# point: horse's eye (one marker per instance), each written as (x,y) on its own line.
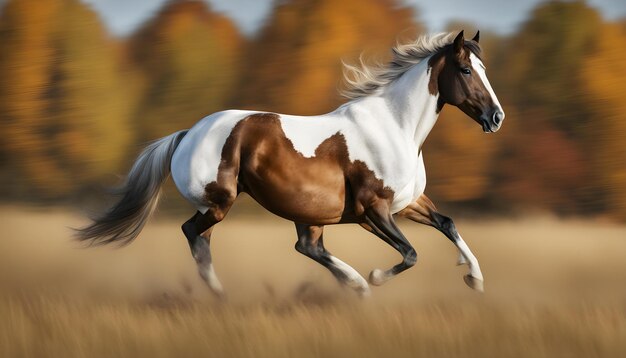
(466,71)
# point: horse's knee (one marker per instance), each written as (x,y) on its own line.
(442,222)
(445,225)
(410,257)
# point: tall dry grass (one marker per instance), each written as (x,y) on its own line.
(553,289)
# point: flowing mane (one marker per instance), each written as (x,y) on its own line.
(363,80)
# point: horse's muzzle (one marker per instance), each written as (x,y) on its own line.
(491,123)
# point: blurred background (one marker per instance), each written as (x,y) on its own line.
(85,84)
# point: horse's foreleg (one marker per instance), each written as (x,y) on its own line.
(423,211)
(380,221)
(311,244)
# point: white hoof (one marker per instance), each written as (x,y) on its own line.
(377,277)
(218,291)
(474,283)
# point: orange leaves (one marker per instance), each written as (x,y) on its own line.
(63,104)
(189,57)
(604,73)
(458,157)
(295,64)
(559,73)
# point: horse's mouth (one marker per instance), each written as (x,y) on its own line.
(489,127)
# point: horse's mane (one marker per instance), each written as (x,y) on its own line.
(362,80)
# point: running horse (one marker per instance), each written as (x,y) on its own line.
(361,163)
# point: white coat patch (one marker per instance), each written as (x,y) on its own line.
(479,68)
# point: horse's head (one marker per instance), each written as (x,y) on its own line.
(458,74)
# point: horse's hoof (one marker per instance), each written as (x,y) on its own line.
(377,277)
(364,292)
(474,283)
(220,296)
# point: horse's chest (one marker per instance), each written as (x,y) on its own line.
(395,168)
(392,161)
(404,189)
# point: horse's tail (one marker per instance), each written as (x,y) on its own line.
(139,196)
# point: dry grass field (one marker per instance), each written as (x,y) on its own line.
(554,288)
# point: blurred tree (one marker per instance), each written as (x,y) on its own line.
(538,73)
(604,71)
(24,63)
(295,67)
(458,158)
(541,169)
(64,103)
(190,57)
(541,70)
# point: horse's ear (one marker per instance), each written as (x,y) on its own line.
(459,42)
(477,36)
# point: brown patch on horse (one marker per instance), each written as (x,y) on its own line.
(257,158)
(435,64)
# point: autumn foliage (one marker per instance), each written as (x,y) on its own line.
(76,104)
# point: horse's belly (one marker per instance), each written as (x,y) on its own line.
(298,196)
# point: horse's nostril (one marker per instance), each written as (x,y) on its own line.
(498,117)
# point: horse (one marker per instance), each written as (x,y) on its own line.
(361,163)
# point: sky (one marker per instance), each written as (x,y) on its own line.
(502,16)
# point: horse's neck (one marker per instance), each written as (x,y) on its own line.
(411,104)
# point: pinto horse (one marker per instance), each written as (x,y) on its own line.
(361,163)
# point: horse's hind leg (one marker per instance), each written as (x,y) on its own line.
(311,243)
(198,231)
(423,211)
